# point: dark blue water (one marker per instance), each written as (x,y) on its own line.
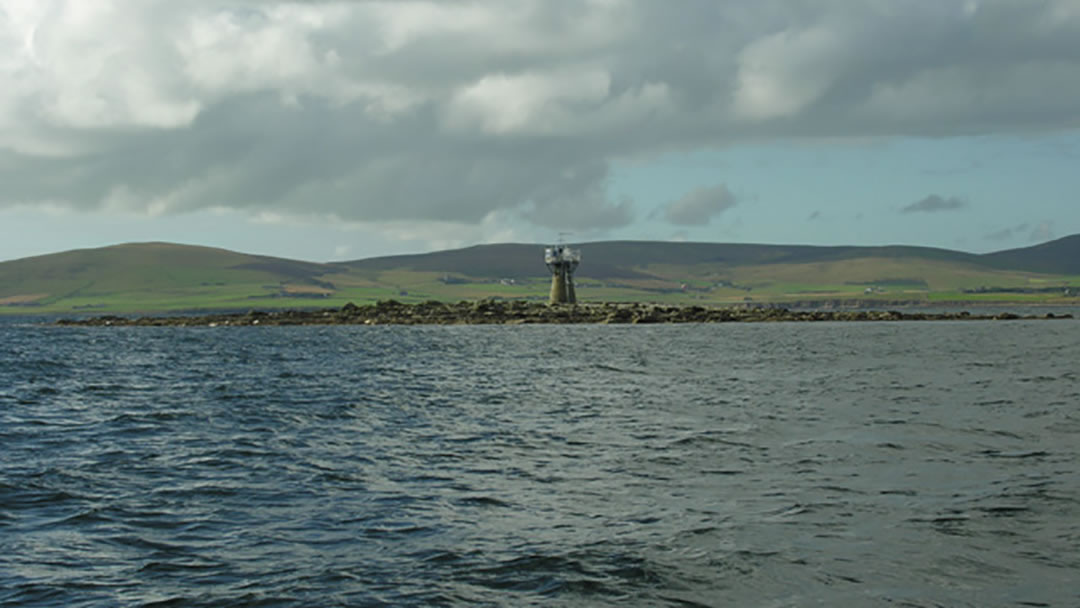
(871,464)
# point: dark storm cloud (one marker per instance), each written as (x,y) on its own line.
(454,111)
(933,204)
(698,207)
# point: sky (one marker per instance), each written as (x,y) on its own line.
(343,130)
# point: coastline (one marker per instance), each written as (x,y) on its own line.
(518,312)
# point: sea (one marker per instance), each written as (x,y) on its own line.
(774,464)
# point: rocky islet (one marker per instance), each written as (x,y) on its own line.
(513,312)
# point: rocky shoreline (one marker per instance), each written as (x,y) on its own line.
(502,312)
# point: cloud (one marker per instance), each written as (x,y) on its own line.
(449,112)
(1006,234)
(1042,232)
(933,204)
(698,207)
(781,74)
(1039,233)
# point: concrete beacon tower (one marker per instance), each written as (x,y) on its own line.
(562,262)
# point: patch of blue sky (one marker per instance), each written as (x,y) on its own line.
(853,192)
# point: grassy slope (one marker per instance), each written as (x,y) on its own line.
(149,276)
(156,277)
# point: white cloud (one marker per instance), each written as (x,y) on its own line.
(782,73)
(698,207)
(94,65)
(407,23)
(530,102)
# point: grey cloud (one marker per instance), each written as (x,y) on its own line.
(699,206)
(310,163)
(1039,233)
(1006,233)
(1001,235)
(934,203)
(591,216)
(576,200)
(453,111)
(1044,231)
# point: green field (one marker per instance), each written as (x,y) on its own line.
(160,277)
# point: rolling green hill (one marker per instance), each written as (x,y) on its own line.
(150,276)
(157,277)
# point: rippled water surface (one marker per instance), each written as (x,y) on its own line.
(871,464)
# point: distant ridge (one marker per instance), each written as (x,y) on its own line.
(618,259)
(605,258)
(1061,256)
(167,276)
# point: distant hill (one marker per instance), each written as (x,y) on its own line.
(165,276)
(151,273)
(623,259)
(1055,257)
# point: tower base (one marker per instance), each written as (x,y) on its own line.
(562,287)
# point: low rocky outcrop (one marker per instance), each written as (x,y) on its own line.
(494,312)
